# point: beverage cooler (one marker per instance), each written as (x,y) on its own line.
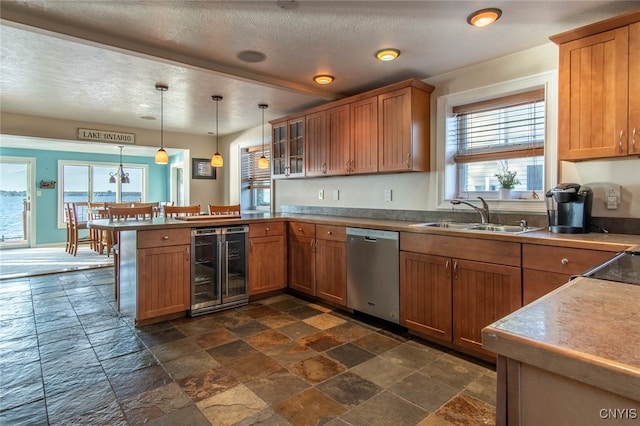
(218,269)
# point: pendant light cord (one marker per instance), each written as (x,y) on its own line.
(161,119)
(217,139)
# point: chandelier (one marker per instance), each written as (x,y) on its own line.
(119,174)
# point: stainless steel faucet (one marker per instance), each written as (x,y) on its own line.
(484,210)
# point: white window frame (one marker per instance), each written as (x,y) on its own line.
(446,168)
(62,163)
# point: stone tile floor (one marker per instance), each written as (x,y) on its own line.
(68,358)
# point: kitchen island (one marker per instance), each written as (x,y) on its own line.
(155,256)
(570,357)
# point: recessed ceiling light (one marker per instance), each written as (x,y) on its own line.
(251,56)
(484,17)
(386,55)
(323,79)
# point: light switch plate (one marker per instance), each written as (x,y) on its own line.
(321,194)
(336,195)
(387,194)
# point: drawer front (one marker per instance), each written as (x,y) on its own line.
(490,251)
(302,229)
(164,237)
(331,233)
(562,260)
(266,229)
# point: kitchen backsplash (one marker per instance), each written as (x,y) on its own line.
(610,224)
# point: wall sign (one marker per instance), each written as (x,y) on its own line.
(106,136)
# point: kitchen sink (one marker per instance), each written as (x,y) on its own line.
(481,227)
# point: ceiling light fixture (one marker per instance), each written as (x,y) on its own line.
(323,79)
(216,159)
(119,174)
(386,55)
(482,18)
(161,155)
(263,163)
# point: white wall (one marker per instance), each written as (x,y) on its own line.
(418,191)
(200,191)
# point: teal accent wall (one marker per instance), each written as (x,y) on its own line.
(47,231)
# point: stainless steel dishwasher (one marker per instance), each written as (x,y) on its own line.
(373,269)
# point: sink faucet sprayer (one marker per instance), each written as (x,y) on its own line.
(484,210)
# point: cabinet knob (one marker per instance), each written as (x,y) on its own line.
(620,146)
(329,233)
(633,140)
(299,229)
(565,261)
(166,237)
(267,229)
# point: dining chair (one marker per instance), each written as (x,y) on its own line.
(97,210)
(75,226)
(233,209)
(174,211)
(156,207)
(124,213)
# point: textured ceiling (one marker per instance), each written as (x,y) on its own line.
(99,61)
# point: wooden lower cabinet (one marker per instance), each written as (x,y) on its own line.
(452,299)
(331,268)
(318,261)
(302,265)
(425,294)
(164,281)
(546,268)
(155,272)
(482,294)
(267,257)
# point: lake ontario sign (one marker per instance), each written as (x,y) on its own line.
(106,136)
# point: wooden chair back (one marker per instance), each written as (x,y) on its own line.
(136,213)
(74,226)
(173,211)
(233,209)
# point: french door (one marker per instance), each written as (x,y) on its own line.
(17,182)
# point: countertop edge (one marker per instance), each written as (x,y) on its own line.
(595,241)
(616,377)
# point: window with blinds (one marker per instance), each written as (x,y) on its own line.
(256,182)
(492,137)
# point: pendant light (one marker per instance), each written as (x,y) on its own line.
(161,156)
(216,159)
(119,174)
(263,163)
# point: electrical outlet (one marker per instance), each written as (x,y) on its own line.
(336,195)
(387,195)
(612,196)
(321,194)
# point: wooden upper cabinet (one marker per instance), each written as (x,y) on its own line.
(338,140)
(382,130)
(634,89)
(328,139)
(288,148)
(316,152)
(403,130)
(599,113)
(363,156)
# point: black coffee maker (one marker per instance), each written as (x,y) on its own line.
(569,208)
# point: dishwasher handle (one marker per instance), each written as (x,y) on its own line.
(370,239)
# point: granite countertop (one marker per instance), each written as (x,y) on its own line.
(587,330)
(596,241)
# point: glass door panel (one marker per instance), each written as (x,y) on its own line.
(15,202)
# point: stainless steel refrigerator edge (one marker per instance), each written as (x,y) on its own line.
(218,268)
(373,266)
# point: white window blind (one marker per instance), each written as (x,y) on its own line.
(491,136)
(252,176)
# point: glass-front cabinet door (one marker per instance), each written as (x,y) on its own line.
(279,150)
(288,145)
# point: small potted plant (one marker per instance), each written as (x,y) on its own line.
(507,180)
